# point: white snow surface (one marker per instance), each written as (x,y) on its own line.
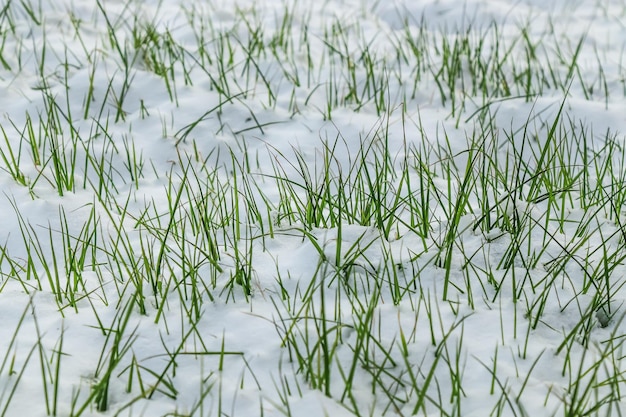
(226,351)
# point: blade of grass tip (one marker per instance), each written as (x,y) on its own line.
(43,362)
(503,388)
(463,198)
(536,180)
(57,372)
(168,230)
(17,380)
(422,396)
(5,361)
(161,378)
(187,129)
(13,339)
(108,361)
(11,162)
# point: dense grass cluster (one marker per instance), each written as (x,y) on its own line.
(423,216)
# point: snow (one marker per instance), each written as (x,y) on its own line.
(155,277)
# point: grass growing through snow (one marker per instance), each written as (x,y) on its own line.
(408,231)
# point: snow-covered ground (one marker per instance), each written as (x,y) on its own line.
(283,207)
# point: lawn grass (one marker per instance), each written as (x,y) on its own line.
(265,209)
